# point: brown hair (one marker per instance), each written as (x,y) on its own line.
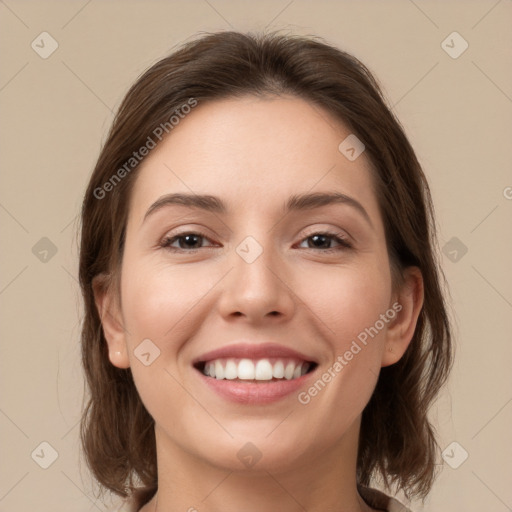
(397,441)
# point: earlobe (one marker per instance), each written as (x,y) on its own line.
(408,307)
(111,320)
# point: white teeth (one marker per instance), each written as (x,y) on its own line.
(245,370)
(261,369)
(278,371)
(288,372)
(231,370)
(219,370)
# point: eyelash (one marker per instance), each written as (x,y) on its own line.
(343,242)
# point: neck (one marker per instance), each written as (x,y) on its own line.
(325,482)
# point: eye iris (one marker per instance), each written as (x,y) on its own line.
(322,238)
(188,239)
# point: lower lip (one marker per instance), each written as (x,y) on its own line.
(255,392)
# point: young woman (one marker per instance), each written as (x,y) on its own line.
(265,327)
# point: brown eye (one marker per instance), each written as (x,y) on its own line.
(187,242)
(320,240)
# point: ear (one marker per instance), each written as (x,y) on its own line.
(111,319)
(407,306)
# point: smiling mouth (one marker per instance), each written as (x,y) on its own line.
(255,370)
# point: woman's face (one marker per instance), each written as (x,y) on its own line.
(252,292)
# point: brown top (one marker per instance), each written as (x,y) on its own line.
(373,497)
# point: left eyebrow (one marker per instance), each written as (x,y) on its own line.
(319,199)
(297,202)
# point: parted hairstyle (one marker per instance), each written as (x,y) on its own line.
(397,442)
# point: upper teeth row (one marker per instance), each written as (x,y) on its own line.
(261,369)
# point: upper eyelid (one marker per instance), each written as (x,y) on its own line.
(199,231)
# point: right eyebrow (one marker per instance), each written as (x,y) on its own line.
(204,202)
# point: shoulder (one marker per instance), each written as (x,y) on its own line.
(377,499)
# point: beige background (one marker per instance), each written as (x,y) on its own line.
(55,114)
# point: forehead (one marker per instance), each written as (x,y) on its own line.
(253,149)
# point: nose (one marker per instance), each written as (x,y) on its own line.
(259,290)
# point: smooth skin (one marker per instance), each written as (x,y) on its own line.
(254,153)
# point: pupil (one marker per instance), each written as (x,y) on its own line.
(188,237)
(316,237)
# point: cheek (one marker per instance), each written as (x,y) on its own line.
(157,303)
(348,300)
(156,298)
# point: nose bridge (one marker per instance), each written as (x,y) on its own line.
(256,286)
(255,261)
(257,248)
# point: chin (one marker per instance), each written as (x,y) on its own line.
(253,453)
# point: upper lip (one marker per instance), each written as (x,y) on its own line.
(252,351)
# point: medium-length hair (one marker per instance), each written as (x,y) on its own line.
(397,441)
